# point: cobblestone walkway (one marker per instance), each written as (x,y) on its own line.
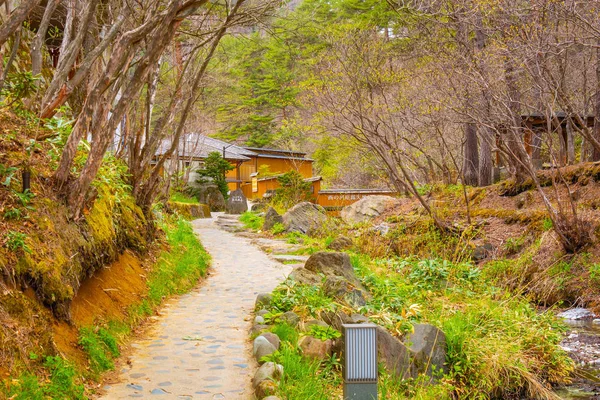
(199,348)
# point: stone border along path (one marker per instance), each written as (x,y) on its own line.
(199,348)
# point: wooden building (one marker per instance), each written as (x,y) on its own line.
(248,162)
(538,128)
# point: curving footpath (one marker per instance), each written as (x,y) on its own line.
(199,347)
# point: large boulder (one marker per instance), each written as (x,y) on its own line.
(272,217)
(395,355)
(340,243)
(332,264)
(427,344)
(237,203)
(340,288)
(305,277)
(216,201)
(368,208)
(209,193)
(304,218)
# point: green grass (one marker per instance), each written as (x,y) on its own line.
(252,221)
(59,382)
(179,269)
(179,197)
(100,346)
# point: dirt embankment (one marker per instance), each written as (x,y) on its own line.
(56,272)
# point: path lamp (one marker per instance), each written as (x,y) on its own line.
(360,361)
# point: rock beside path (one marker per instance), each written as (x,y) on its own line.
(368,208)
(304,218)
(237,203)
(332,264)
(272,218)
(262,348)
(316,349)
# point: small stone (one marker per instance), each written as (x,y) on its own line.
(261,348)
(272,398)
(268,371)
(291,318)
(265,388)
(272,338)
(263,300)
(258,320)
(596,321)
(258,329)
(312,322)
(316,348)
(262,312)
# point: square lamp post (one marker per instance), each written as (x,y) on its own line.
(360,361)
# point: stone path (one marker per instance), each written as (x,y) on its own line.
(199,348)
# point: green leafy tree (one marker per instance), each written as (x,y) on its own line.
(215,169)
(293,189)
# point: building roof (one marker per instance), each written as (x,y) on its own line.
(196,145)
(264,150)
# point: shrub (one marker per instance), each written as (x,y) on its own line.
(215,169)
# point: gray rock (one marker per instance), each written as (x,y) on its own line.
(272,338)
(482,252)
(359,319)
(263,300)
(341,243)
(305,218)
(577,314)
(312,322)
(340,288)
(315,348)
(261,348)
(258,329)
(267,371)
(394,355)
(265,379)
(258,207)
(272,217)
(216,202)
(368,208)
(272,398)
(336,319)
(237,203)
(262,312)
(259,320)
(382,229)
(305,277)
(428,346)
(290,318)
(333,264)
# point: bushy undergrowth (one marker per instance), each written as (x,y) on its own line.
(252,220)
(498,344)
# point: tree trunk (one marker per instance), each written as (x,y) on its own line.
(40,36)
(596,134)
(470,169)
(486,162)
(16,18)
